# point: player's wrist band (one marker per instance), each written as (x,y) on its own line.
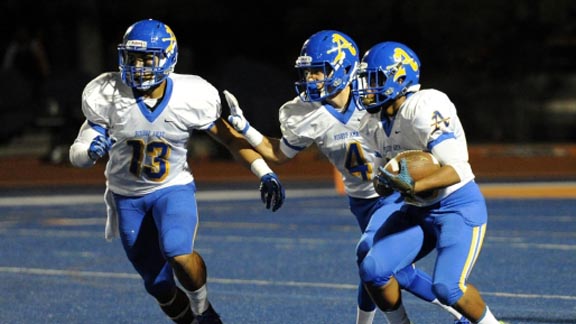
(253,136)
(260,168)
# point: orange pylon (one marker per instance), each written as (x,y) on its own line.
(338,183)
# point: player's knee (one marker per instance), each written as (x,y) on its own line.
(176,241)
(372,273)
(446,294)
(406,276)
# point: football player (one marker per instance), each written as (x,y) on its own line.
(324,114)
(143,117)
(402,116)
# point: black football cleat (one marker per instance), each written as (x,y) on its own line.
(208,317)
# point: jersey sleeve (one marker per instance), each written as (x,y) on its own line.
(198,102)
(211,107)
(439,125)
(434,118)
(295,126)
(94,100)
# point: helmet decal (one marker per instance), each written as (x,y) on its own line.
(332,53)
(404,59)
(170,48)
(341,44)
(388,71)
(150,38)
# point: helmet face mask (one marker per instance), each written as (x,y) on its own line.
(315,81)
(329,54)
(387,72)
(142,69)
(147,54)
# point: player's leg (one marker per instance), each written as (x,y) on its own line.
(461,234)
(418,282)
(370,215)
(140,242)
(453,265)
(396,244)
(366,308)
(176,216)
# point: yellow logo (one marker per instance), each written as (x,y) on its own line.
(405,59)
(172,40)
(341,45)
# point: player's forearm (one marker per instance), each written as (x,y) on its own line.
(78,153)
(444,177)
(79,157)
(269,148)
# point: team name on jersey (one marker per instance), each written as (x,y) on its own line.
(148,133)
(391,149)
(346,135)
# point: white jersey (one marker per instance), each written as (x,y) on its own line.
(150,148)
(336,135)
(426,119)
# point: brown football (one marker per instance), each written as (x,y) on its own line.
(420,163)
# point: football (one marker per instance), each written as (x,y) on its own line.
(420,163)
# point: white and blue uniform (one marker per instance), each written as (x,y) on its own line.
(150,146)
(150,187)
(454,221)
(336,134)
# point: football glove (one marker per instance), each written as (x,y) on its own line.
(99,147)
(271,191)
(239,122)
(236,118)
(382,186)
(401,182)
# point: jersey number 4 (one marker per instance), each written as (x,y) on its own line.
(356,163)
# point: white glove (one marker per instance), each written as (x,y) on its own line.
(239,122)
(236,118)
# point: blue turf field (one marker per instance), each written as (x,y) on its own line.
(293,266)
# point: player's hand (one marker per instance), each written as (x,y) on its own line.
(236,118)
(99,147)
(401,182)
(271,191)
(382,186)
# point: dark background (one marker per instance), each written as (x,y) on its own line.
(509,66)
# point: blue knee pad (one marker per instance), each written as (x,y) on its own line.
(405,276)
(176,241)
(416,282)
(447,295)
(372,273)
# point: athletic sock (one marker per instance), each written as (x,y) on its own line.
(488,317)
(364,317)
(397,316)
(198,300)
(449,309)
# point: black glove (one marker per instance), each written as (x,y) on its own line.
(271,191)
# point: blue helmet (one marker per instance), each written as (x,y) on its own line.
(147,54)
(331,52)
(388,70)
